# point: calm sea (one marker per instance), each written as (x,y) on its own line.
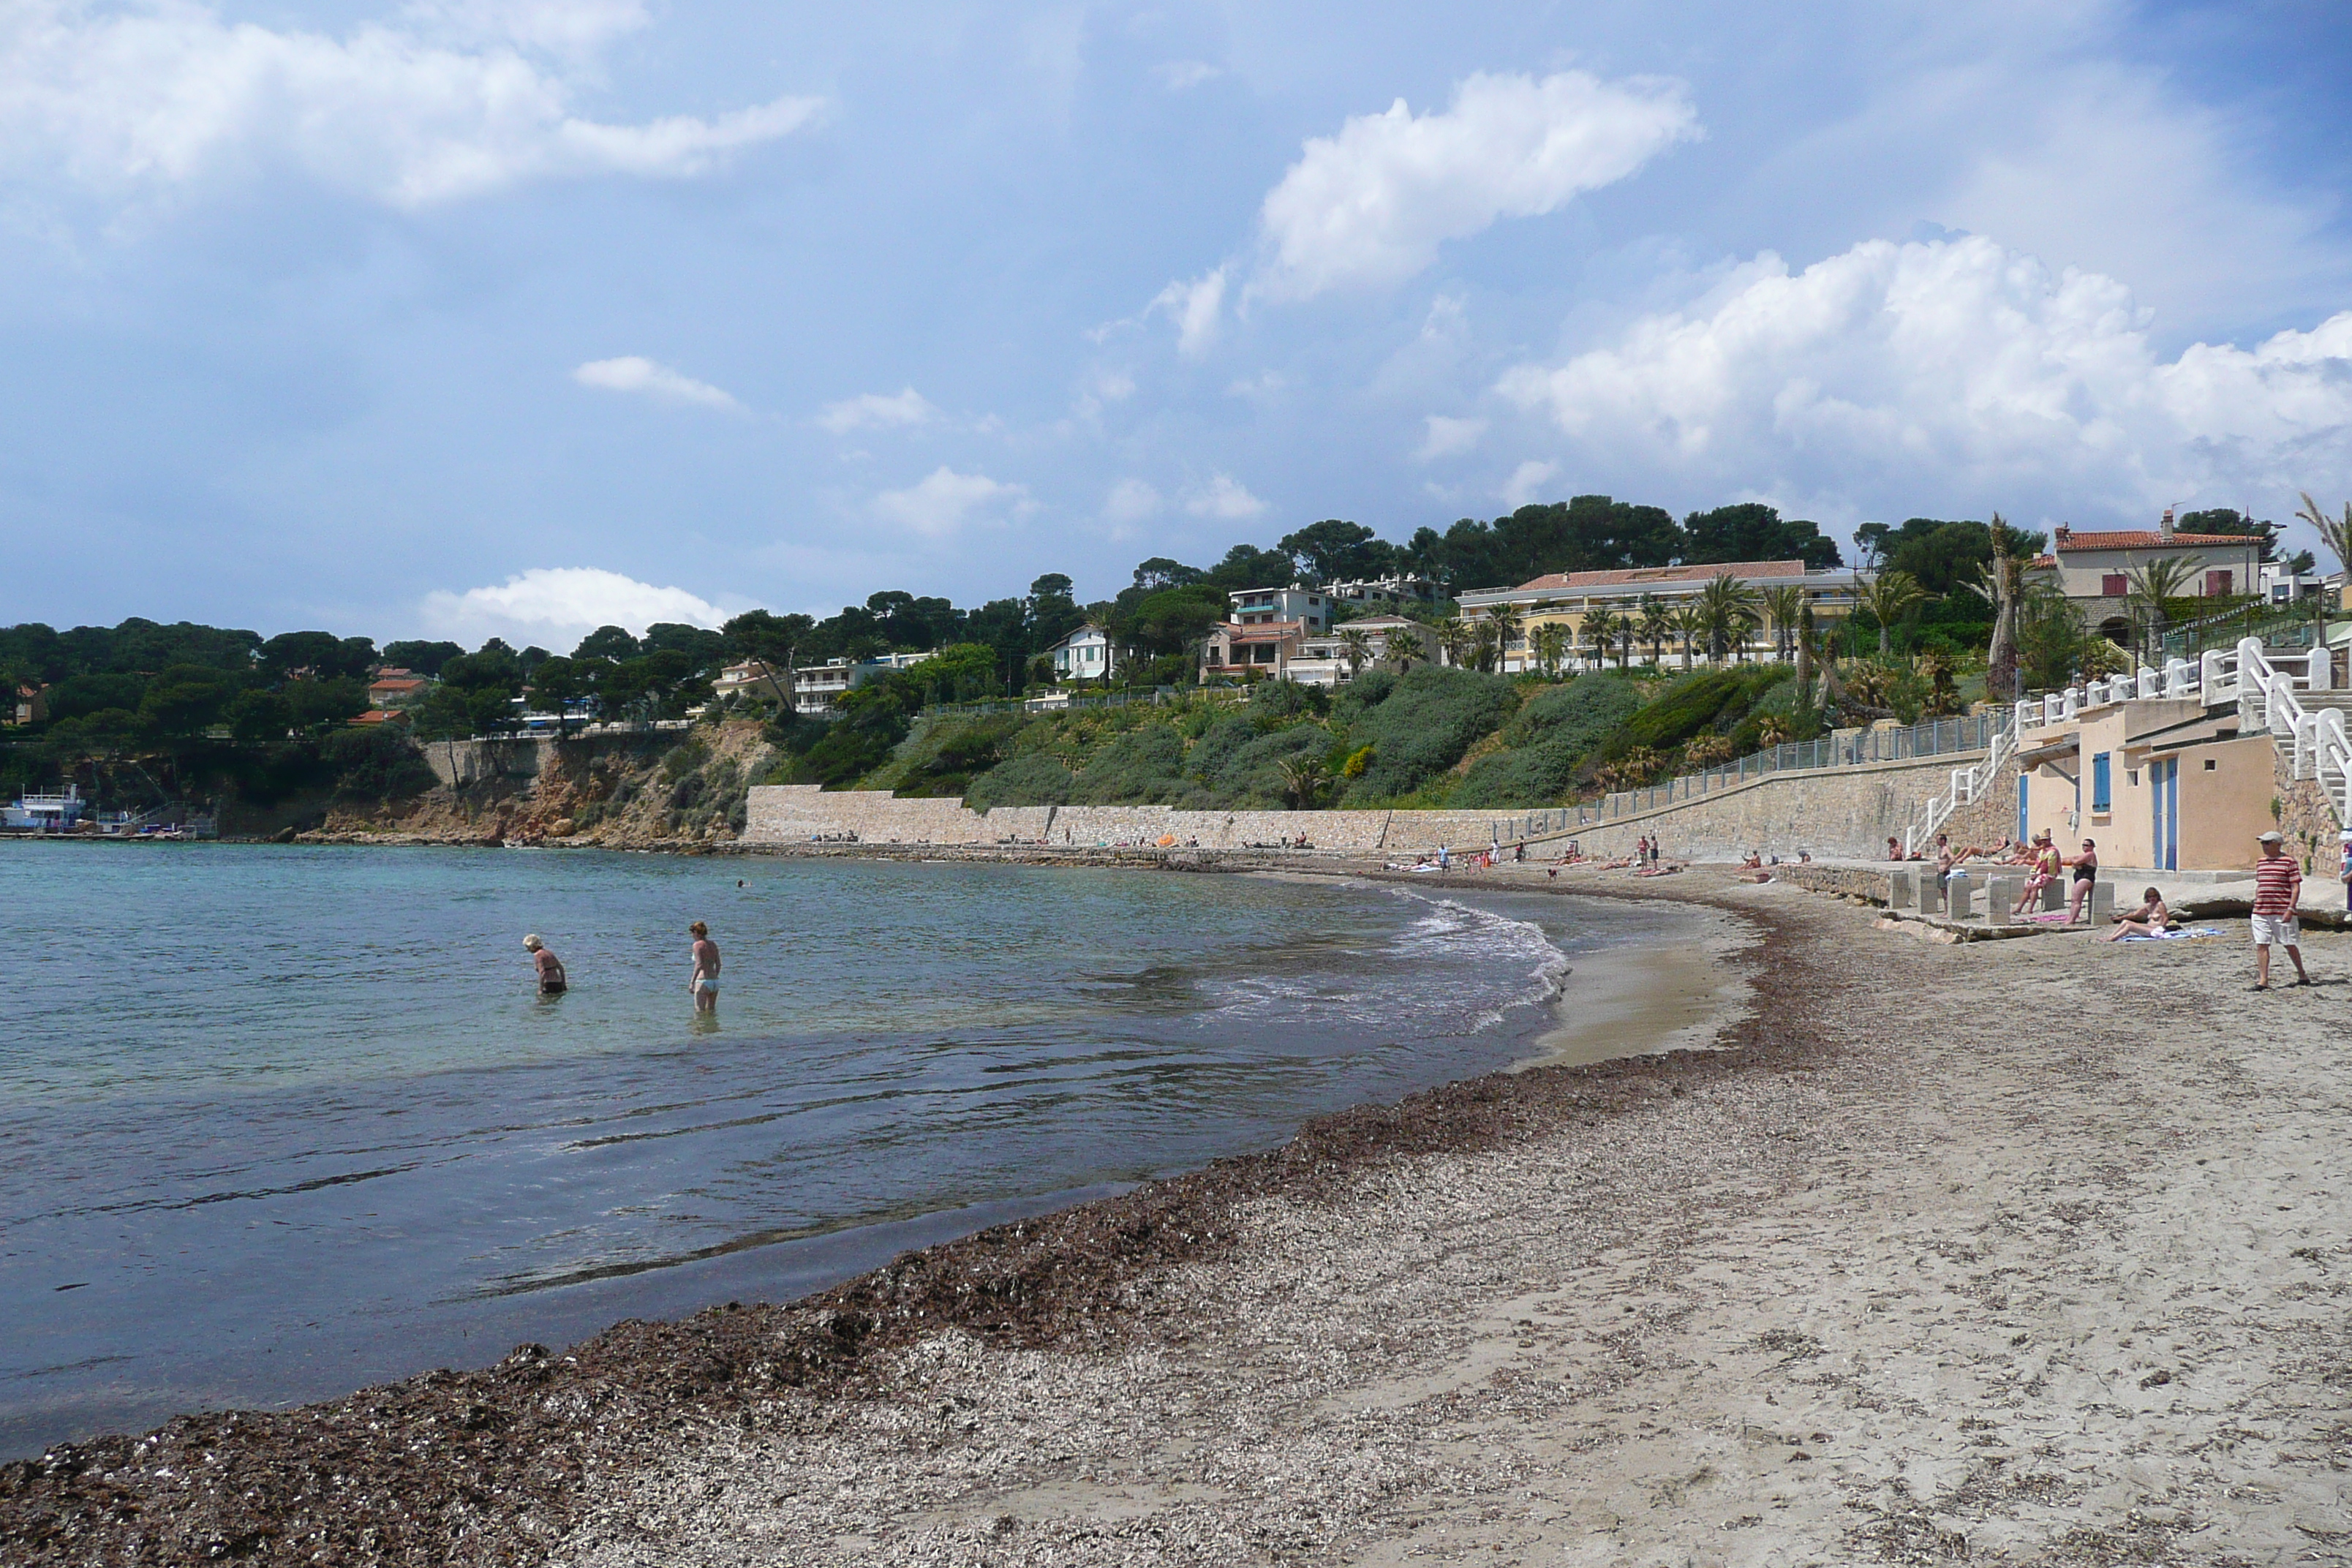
(278,1122)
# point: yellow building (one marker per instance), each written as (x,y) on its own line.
(1568,598)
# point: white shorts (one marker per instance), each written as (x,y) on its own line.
(2276,931)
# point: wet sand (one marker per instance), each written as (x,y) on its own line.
(2010,1252)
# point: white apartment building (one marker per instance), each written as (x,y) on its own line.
(1321,659)
(817,688)
(1310,607)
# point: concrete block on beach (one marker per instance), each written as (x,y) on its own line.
(1958,889)
(1902,890)
(2102,903)
(2053,895)
(1931,894)
(2001,897)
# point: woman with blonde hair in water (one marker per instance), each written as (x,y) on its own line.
(704,982)
(551,981)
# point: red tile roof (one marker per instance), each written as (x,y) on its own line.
(2150,539)
(1619,577)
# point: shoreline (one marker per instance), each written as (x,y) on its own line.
(1890,1279)
(1033,1300)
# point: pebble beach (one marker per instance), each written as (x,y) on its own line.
(2009,1252)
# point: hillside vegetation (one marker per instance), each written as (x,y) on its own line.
(1430,737)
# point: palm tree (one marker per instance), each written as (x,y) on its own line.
(1485,645)
(1690,625)
(2333,532)
(1355,647)
(1551,646)
(2001,582)
(1453,639)
(1784,602)
(1657,624)
(1887,600)
(1400,647)
(2336,534)
(2152,583)
(1303,778)
(1805,640)
(1600,629)
(1508,625)
(1729,608)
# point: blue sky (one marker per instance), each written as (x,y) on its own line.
(473,315)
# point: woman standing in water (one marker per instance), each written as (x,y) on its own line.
(704,981)
(552,979)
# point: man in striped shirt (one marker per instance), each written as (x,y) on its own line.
(2278,885)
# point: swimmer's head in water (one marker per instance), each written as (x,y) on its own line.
(533,942)
(697,928)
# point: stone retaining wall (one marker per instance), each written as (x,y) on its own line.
(1834,813)
(779,813)
(457,764)
(1844,813)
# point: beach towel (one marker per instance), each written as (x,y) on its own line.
(2173,935)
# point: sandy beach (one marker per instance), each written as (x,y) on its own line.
(2015,1252)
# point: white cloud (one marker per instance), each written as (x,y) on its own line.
(1527,482)
(945,501)
(1223,497)
(1372,204)
(1195,308)
(1957,370)
(1178,75)
(634,372)
(557,605)
(448,101)
(1132,501)
(874,410)
(1448,437)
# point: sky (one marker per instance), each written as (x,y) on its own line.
(457,318)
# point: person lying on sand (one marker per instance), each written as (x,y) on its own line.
(2151,918)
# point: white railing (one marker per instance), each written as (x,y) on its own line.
(1965,783)
(2267,688)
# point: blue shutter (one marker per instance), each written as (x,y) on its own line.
(2102,776)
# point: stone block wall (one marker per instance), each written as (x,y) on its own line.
(779,813)
(1836,812)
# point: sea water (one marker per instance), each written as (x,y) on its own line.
(277,1122)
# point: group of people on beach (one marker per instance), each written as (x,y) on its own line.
(703,983)
(2278,890)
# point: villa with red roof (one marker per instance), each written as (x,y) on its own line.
(2094,570)
(1568,597)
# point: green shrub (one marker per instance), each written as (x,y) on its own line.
(1584,712)
(1251,775)
(1539,774)
(1423,725)
(380,762)
(1144,766)
(1710,700)
(1032,778)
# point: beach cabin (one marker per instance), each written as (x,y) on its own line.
(2162,785)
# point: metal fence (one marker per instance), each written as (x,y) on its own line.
(1846,749)
(1048,705)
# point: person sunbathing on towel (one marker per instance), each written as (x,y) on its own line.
(2151,918)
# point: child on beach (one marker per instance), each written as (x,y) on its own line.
(704,982)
